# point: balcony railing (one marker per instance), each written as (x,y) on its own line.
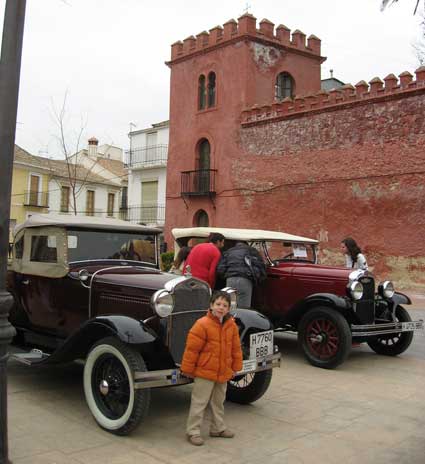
(198,183)
(156,155)
(37,199)
(154,214)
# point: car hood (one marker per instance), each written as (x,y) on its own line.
(151,279)
(316,270)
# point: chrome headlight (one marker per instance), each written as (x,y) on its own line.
(356,290)
(163,303)
(388,289)
(233,297)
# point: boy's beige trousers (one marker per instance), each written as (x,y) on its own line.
(206,393)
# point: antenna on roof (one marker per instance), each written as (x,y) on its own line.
(332,73)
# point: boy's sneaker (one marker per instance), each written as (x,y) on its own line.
(195,440)
(223,434)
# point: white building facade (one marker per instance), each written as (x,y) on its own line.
(147,176)
(94,195)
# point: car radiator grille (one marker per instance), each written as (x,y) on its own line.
(191,300)
(365,308)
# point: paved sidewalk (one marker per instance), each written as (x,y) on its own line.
(371,410)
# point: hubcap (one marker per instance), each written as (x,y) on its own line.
(104,387)
(322,338)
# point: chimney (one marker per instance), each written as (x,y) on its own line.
(93,143)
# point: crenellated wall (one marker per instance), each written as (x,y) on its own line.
(360,94)
(246,27)
(324,164)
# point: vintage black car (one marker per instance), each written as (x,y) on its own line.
(90,288)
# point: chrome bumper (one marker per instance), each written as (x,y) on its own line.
(171,377)
(370,330)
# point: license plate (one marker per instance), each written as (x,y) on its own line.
(261,344)
(410,326)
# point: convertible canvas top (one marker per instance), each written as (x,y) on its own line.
(82,222)
(249,235)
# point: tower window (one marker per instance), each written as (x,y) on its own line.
(211,89)
(285,86)
(201,92)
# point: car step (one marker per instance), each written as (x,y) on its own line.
(30,358)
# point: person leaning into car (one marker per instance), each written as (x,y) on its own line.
(204,257)
(242,267)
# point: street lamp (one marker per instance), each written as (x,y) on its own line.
(10,67)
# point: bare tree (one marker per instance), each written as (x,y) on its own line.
(76,175)
(385,3)
(419,45)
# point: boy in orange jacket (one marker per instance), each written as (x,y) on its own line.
(212,357)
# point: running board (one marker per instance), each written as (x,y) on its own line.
(29,358)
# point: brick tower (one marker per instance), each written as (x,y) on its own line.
(215,76)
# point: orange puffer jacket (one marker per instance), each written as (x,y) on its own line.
(213,350)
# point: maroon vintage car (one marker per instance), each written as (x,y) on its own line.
(330,307)
(90,288)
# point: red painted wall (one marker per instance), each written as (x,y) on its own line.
(325,166)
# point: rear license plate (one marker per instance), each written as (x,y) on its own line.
(409,326)
(261,344)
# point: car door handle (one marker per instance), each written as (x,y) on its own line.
(25,282)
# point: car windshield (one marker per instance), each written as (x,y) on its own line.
(111,244)
(285,251)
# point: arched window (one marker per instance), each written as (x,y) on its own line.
(201,92)
(211,89)
(285,86)
(201,219)
(203,166)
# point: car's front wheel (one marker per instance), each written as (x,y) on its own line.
(108,385)
(325,337)
(245,389)
(395,343)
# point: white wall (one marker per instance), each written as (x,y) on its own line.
(100,201)
(144,175)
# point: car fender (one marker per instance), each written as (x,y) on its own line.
(247,319)
(330,300)
(127,329)
(400,298)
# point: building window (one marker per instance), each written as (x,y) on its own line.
(111,202)
(124,195)
(285,86)
(211,89)
(201,93)
(34,190)
(201,219)
(203,167)
(90,203)
(64,199)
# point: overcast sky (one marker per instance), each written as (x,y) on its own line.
(109,55)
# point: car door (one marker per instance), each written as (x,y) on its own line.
(39,277)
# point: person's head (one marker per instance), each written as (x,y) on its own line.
(182,255)
(216,239)
(350,247)
(220,304)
